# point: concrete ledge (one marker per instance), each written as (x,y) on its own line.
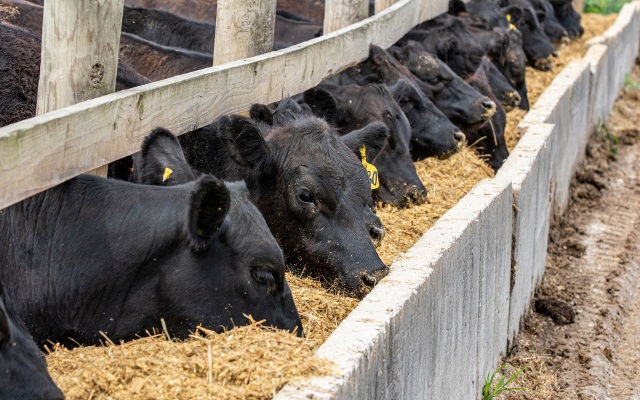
(441,312)
(528,168)
(565,103)
(621,40)
(599,98)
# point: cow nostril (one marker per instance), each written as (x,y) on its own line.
(516,97)
(377,234)
(368,281)
(489,105)
(459,137)
(554,53)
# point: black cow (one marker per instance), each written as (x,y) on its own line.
(535,43)
(310,186)
(489,139)
(449,39)
(432,133)
(568,17)
(350,107)
(20,72)
(167,29)
(288,110)
(461,103)
(158,62)
(98,255)
(547,18)
(23,372)
(489,14)
(504,47)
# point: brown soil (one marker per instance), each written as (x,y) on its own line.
(582,338)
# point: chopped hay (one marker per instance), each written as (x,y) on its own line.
(321,311)
(249,362)
(537,81)
(447,182)
(7,13)
(253,362)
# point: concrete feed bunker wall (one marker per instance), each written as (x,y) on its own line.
(437,324)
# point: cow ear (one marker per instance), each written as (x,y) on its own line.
(209,204)
(373,136)
(512,13)
(399,90)
(161,160)
(456,7)
(261,113)
(322,103)
(243,139)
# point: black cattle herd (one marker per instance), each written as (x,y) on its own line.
(200,229)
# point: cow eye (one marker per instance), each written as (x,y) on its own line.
(306,196)
(265,276)
(433,81)
(387,115)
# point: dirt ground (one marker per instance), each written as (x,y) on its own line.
(581,339)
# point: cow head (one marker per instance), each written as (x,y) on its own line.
(489,139)
(351,107)
(535,43)
(449,39)
(461,103)
(432,134)
(23,374)
(547,18)
(289,110)
(568,17)
(312,190)
(234,262)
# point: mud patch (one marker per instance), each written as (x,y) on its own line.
(592,274)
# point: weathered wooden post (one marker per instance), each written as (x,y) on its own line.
(578,5)
(244,28)
(381,5)
(80,43)
(341,13)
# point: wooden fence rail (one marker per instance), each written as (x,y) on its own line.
(44,151)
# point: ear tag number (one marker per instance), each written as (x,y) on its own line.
(372,171)
(167,173)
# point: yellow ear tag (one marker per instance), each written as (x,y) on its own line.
(371,170)
(508,17)
(513,27)
(167,173)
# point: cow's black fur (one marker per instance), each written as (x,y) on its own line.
(98,255)
(23,372)
(309,185)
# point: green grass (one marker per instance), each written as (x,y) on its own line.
(630,84)
(490,392)
(612,139)
(604,6)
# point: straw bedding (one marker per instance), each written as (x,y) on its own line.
(253,362)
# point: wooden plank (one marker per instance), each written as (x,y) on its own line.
(79,59)
(341,13)
(244,28)
(44,151)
